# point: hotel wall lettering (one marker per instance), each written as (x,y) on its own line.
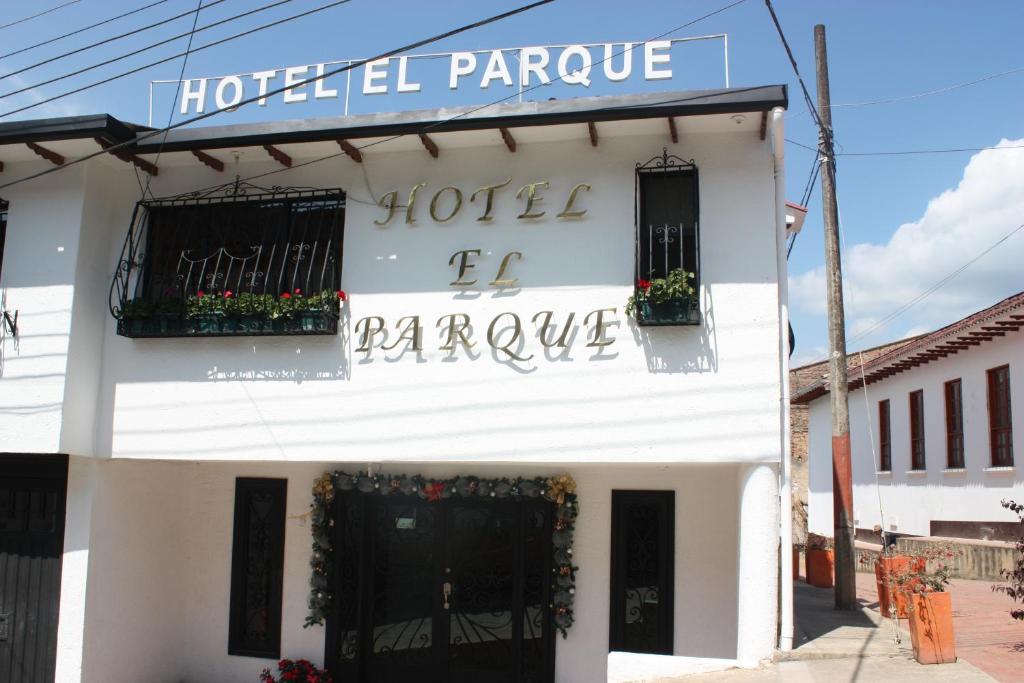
(506,332)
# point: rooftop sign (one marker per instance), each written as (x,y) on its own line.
(506,72)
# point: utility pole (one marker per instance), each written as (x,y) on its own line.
(842,471)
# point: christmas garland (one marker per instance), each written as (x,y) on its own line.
(559,490)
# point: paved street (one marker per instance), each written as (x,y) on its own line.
(844,647)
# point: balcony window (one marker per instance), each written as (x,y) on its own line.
(1000,417)
(667,258)
(237,260)
(884,439)
(954,425)
(917,455)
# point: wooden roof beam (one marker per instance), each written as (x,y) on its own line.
(509,141)
(1010,324)
(1,167)
(351,150)
(971,336)
(278,156)
(764,124)
(48,154)
(212,162)
(127,157)
(997,331)
(429,144)
(673,133)
(592,129)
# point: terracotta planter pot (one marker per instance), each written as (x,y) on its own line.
(890,595)
(931,627)
(820,564)
(796,564)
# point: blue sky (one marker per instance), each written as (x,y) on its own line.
(908,220)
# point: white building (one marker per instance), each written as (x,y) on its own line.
(931,431)
(487,258)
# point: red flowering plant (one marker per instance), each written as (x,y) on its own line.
(676,286)
(300,671)
(285,305)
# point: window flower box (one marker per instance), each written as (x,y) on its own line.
(671,300)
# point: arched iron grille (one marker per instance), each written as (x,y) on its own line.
(235,244)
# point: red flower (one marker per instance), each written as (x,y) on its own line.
(298,291)
(200,294)
(433,491)
(342,295)
(228,294)
(286,295)
(643,284)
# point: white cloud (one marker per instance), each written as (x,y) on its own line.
(956,226)
(63,107)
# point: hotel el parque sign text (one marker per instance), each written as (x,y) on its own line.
(506,331)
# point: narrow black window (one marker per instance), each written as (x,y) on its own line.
(884,439)
(3,232)
(917,459)
(999,419)
(954,425)
(643,568)
(257,568)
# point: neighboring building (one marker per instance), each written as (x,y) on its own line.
(799,379)
(482,353)
(931,432)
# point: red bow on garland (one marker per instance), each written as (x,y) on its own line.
(433,491)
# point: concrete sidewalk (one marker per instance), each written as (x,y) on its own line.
(843,647)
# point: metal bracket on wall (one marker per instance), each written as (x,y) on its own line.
(11,323)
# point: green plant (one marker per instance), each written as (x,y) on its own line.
(929,571)
(1014,587)
(138,308)
(676,286)
(285,305)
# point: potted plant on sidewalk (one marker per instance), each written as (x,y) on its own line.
(820,561)
(930,606)
(890,567)
(1014,587)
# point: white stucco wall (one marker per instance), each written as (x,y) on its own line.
(159,567)
(910,500)
(656,395)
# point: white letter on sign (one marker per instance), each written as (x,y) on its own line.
(293,75)
(463,64)
(371,74)
(580,76)
(651,60)
(528,66)
(236,83)
(404,86)
(263,77)
(320,89)
(496,68)
(198,96)
(627,62)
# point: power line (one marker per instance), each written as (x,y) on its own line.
(35,16)
(170,114)
(949,150)
(83,29)
(799,78)
(148,47)
(278,91)
(935,287)
(123,74)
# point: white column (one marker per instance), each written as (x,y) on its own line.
(757,585)
(82,482)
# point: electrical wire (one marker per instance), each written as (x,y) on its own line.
(36,16)
(126,55)
(83,29)
(174,102)
(950,150)
(799,78)
(352,65)
(124,74)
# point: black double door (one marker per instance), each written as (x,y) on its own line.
(452,591)
(32,497)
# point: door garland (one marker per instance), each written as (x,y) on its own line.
(560,490)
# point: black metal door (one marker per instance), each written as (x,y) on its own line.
(454,591)
(32,495)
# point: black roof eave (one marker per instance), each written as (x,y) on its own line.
(67,128)
(581,110)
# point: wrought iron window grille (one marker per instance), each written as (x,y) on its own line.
(235,259)
(667,237)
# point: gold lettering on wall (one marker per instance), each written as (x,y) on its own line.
(464,265)
(531,198)
(568,211)
(599,327)
(562,338)
(392,202)
(500,280)
(409,219)
(517,334)
(458,323)
(413,333)
(489,189)
(372,326)
(434,201)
